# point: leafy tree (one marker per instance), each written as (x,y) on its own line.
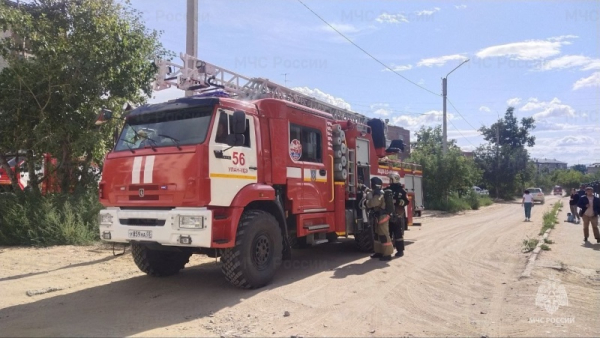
(580,167)
(446,174)
(80,56)
(504,160)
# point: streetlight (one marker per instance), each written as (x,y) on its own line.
(445,93)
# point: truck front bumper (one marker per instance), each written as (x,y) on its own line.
(185,227)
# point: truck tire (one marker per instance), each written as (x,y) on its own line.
(257,253)
(158,263)
(364,240)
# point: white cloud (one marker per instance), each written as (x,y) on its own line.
(460,6)
(527,50)
(554,108)
(319,95)
(398,68)
(575,140)
(391,18)
(440,61)
(485,109)
(570,61)
(381,109)
(414,122)
(591,81)
(343,28)
(428,12)
(515,101)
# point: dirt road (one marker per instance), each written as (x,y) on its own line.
(459,277)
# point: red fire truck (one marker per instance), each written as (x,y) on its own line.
(245,173)
(17,164)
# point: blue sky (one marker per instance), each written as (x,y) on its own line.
(542,57)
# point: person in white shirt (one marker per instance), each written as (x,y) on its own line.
(527,202)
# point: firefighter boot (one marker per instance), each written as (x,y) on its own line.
(386,258)
(399,248)
(376,255)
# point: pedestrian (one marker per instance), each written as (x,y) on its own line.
(382,244)
(527,203)
(590,209)
(581,191)
(397,221)
(573,205)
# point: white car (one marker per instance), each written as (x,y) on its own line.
(480,191)
(538,195)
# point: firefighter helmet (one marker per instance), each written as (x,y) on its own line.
(394,178)
(376,183)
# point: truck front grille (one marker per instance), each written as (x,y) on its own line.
(149,222)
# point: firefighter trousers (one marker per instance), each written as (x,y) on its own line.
(397,229)
(397,234)
(382,241)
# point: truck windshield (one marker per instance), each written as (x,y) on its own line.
(166,128)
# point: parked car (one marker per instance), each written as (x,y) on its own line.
(538,195)
(558,190)
(480,191)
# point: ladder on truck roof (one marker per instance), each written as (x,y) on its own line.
(200,76)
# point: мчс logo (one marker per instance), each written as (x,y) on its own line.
(551,295)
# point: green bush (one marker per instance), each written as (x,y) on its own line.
(484,201)
(54,219)
(453,204)
(473,200)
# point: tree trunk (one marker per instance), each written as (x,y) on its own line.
(14,182)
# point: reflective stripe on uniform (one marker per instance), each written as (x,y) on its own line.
(385,219)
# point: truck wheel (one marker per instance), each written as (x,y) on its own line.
(257,253)
(364,240)
(158,263)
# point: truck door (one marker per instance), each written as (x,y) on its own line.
(237,167)
(308,158)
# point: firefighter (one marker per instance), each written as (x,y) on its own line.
(397,220)
(375,201)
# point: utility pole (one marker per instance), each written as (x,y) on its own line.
(445,94)
(191,39)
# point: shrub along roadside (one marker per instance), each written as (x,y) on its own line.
(55,219)
(454,204)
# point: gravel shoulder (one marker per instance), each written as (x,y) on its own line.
(459,277)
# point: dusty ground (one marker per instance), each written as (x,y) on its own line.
(459,277)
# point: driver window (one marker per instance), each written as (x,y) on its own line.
(222,129)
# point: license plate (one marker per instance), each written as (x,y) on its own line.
(140,234)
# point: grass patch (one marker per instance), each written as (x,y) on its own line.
(548,241)
(529,244)
(545,247)
(551,218)
(54,219)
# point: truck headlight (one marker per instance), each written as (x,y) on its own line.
(191,222)
(105,219)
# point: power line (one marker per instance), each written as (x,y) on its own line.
(364,51)
(469,123)
(461,134)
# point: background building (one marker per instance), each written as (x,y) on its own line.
(593,168)
(548,165)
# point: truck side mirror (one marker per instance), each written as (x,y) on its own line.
(238,125)
(104,116)
(236,140)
